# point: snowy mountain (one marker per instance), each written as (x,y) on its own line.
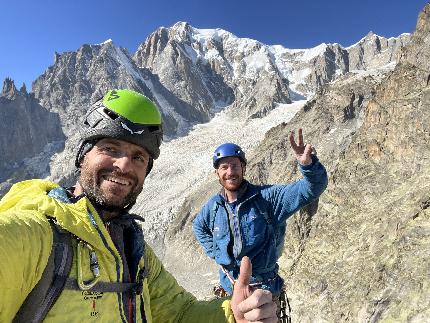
(192,74)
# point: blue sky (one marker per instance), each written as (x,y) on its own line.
(33,30)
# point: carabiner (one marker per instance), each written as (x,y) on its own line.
(94,265)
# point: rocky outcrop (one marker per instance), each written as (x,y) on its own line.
(9,90)
(27,130)
(365,257)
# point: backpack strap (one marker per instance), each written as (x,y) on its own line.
(47,290)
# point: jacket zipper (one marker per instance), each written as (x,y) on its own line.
(117,266)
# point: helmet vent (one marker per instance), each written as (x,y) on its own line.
(110,113)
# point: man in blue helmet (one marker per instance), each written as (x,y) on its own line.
(250,220)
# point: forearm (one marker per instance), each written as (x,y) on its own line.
(315,179)
(203,236)
(172,303)
(287,199)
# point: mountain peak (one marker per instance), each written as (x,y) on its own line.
(107,41)
(23,89)
(9,90)
(182,26)
(423,22)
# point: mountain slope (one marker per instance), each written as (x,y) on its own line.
(364,255)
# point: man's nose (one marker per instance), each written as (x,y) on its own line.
(230,170)
(123,162)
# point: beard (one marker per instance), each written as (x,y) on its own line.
(108,201)
(229,186)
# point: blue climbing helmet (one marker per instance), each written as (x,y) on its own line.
(228,150)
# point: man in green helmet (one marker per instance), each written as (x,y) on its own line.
(77,255)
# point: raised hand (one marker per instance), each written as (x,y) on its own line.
(302,153)
(251,305)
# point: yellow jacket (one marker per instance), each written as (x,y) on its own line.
(26,243)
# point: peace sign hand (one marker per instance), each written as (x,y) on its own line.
(303,153)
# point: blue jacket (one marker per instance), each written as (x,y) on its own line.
(262,212)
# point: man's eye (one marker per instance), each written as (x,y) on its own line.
(110,149)
(140,158)
(107,149)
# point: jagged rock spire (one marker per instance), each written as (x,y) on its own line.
(423,20)
(9,90)
(23,89)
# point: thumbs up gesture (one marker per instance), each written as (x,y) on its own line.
(250,305)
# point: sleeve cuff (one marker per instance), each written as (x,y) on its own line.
(307,167)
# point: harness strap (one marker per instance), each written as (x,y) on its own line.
(114,287)
(72,284)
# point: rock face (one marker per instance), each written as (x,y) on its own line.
(27,130)
(213,68)
(373,51)
(192,74)
(365,257)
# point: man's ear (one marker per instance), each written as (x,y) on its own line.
(243,169)
(216,173)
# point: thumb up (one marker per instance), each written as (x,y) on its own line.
(251,305)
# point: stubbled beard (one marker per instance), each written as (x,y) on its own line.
(235,187)
(94,193)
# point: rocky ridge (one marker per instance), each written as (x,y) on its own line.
(28,131)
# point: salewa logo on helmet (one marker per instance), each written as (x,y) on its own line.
(131,131)
(113,95)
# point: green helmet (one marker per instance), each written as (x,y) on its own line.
(124,115)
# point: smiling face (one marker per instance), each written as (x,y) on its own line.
(113,173)
(230,173)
